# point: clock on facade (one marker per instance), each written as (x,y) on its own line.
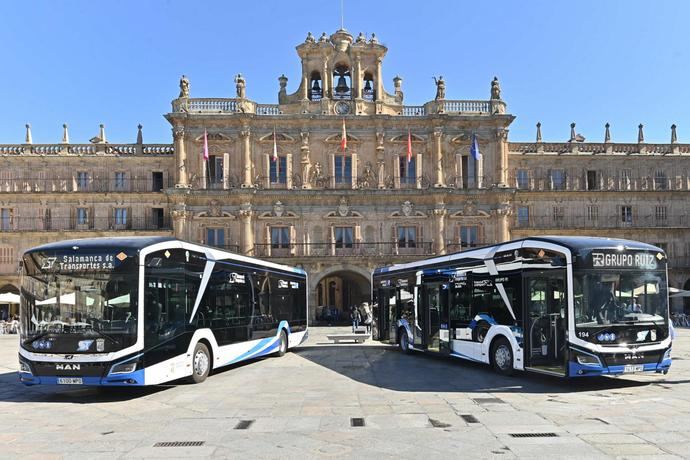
(342,108)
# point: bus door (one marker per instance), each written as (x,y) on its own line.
(435,316)
(383,313)
(546,308)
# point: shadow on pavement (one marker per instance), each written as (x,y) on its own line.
(386,367)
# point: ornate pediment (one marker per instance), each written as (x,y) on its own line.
(278,212)
(280,138)
(343,211)
(336,138)
(213,137)
(214,210)
(402,139)
(407,211)
(466,139)
(470,209)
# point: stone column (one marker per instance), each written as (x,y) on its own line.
(305,161)
(357,83)
(181,154)
(325,80)
(247,158)
(380,160)
(440,216)
(247,229)
(503,213)
(180,224)
(305,82)
(502,158)
(379,81)
(438,157)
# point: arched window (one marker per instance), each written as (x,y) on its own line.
(368,91)
(343,79)
(315,86)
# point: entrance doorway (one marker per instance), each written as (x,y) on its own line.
(546,307)
(336,293)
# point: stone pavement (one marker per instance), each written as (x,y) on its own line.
(303,406)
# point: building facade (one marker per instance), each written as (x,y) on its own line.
(280,183)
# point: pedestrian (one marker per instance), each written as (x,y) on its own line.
(356,318)
(366,315)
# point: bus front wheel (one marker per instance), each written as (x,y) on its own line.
(282,344)
(201,363)
(502,356)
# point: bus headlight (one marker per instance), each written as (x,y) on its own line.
(667,355)
(24,367)
(588,360)
(124,368)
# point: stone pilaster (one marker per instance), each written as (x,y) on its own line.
(246,214)
(247,165)
(440,221)
(181,155)
(438,158)
(502,157)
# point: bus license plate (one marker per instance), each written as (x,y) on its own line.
(70,381)
(629,368)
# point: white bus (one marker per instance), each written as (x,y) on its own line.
(148,310)
(564,306)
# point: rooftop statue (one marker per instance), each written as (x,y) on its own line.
(495,89)
(310,38)
(184,86)
(440,88)
(361,38)
(240,84)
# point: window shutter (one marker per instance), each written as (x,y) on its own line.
(332,239)
(130,218)
(226,171)
(458,171)
(293,240)
(353,172)
(358,233)
(111,218)
(332,169)
(418,170)
(479,169)
(91,217)
(267,239)
(288,171)
(72,218)
(267,170)
(396,171)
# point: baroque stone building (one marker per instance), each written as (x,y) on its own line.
(280,184)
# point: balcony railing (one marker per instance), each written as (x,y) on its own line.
(597,148)
(343,250)
(585,222)
(31,224)
(72,184)
(581,183)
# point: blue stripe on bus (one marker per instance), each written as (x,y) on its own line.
(257,349)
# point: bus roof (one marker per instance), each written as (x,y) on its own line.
(573,243)
(141,242)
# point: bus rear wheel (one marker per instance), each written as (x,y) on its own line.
(201,363)
(502,356)
(404,341)
(282,344)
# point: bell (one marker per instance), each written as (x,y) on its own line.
(367,85)
(315,86)
(341,87)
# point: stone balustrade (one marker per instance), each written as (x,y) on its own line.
(86,149)
(595,148)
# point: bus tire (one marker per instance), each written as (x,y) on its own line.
(201,363)
(480,330)
(502,356)
(282,344)
(404,341)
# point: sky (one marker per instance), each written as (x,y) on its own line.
(118,63)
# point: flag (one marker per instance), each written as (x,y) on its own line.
(474,149)
(205,145)
(275,146)
(343,140)
(409,145)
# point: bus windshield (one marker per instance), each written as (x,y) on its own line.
(78,307)
(626,297)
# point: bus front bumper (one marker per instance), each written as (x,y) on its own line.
(107,374)
(586,364)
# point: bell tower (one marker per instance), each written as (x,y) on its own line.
(341,75)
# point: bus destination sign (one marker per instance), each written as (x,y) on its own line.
(644,260)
